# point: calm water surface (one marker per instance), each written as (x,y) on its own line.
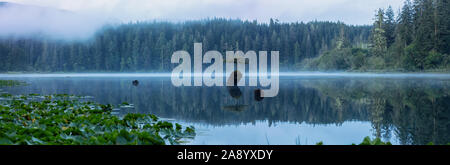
(333,108)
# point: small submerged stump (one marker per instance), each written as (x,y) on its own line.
(258,95)
(135,82)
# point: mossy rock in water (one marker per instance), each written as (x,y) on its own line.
(63,120)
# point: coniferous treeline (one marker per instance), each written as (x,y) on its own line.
(417,39)
(148,46)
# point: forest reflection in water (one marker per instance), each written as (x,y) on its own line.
(406,110)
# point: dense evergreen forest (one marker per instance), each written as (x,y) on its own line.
(148,46)
(415,39)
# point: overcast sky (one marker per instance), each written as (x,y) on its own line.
(348,11)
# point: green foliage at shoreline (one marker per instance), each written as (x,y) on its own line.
(361,60)
(417,40)
(66,120)
(376,141)
(343,59)
(366,141)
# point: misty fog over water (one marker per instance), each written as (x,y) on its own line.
(281,74)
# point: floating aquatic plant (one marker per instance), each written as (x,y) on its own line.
(65,120)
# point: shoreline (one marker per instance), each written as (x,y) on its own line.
(387,71)
(281,74)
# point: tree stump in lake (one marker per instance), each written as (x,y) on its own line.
(135,82)
(258,95)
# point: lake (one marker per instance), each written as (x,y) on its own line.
(333,108)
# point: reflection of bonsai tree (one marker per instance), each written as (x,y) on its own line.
(234,91)
(232,86)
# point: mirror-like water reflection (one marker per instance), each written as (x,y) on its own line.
(335,110)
